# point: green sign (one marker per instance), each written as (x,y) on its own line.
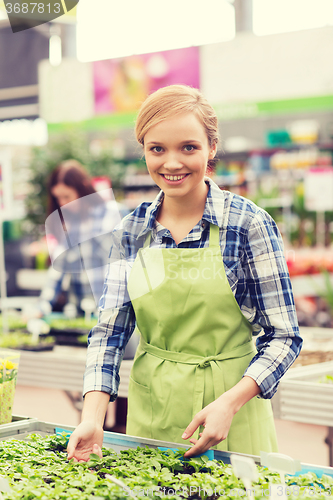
(235,111)
(224,111)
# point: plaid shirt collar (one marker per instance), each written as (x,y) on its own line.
(213,212)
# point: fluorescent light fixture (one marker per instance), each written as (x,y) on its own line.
(24,132)
(109,29)
(281,16)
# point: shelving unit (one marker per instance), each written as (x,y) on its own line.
(225,162)
(303,398)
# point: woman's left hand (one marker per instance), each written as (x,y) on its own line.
(216,419)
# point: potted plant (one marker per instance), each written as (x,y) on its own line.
(8,374)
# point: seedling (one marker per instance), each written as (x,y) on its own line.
(37,467)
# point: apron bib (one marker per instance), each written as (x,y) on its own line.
(195,344)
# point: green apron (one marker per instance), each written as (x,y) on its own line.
(195,344)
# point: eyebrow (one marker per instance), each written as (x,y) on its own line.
(183,142)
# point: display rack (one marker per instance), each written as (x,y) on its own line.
(63,369)
(303,398)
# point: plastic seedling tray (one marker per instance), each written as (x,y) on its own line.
(37,348)
(16,419)
(118,442)
(70,338)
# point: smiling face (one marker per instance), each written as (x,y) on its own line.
(177,151)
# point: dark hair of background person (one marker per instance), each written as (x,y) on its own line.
(72,174)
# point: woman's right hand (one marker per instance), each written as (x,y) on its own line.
(86,439)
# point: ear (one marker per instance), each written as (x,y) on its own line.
(213,149)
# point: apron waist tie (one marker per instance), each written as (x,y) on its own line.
(192,359)
(201,362)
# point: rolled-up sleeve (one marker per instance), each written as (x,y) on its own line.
(116,323)
(271,294)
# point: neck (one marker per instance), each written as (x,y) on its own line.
(188,207)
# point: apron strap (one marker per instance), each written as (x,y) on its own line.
(214,236)
(214,241)
(192,359)
(147,240)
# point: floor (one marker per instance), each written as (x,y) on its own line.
(300,441)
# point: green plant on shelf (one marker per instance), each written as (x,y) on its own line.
(73,324)
(305,233)
(327,294)
(263,197)
(14,322)
(326,379)
(15,340)
(83,339)
(8,376)
(37,467)
(8,370)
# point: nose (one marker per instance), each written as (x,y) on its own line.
(172,162)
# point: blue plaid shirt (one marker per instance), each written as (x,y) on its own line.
(255,266)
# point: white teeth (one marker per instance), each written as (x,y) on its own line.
(174,177)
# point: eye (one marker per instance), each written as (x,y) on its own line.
(156,149)
(189,148)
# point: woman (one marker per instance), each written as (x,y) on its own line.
(78,229)
(201,271)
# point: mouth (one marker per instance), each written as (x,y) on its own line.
(174,178)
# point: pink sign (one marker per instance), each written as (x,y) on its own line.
(122,84)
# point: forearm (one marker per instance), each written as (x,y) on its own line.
(94,407)
(270,296)
(241,393)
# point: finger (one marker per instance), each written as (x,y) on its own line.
(193,440)
(192,427)
(72,444)
(198,448)
(97,450)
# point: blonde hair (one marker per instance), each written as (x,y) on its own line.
(169,101)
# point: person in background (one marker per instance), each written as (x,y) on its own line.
(78,230)
(201,272)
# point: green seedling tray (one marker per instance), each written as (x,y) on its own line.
(22,429)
